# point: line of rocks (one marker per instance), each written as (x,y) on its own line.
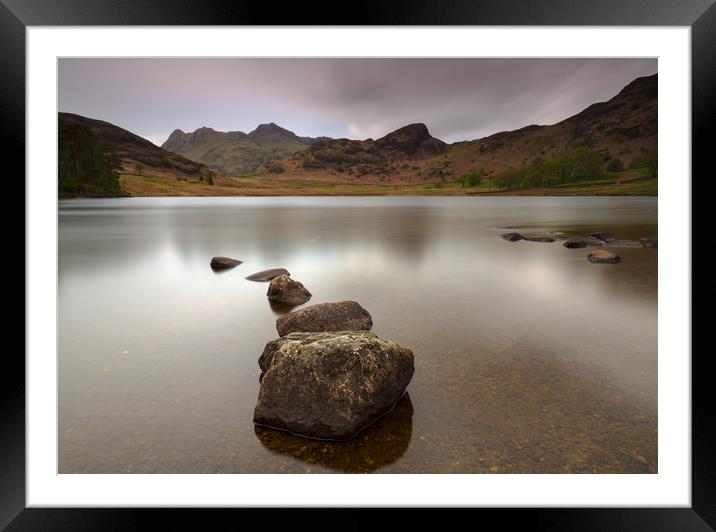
(326,376)
(605,239)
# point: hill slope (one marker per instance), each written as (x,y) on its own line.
(236,152)
(624,128)
(92,155)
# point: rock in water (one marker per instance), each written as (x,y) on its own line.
(267,275)
(606,237)
(512,237)
(285,290)
(330,385)
(651,242)
(539,239)
(574,243)
(592,240)
(223,263)
(326,317)
(603,256)
(625,244)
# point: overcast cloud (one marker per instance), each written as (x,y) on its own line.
(458,99)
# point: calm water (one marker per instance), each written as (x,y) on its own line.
(528,358)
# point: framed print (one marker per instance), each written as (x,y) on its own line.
(412,261)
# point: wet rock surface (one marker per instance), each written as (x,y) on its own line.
(326,317)
(512,237)
(223,263)
(603,256)
(330,385)
(573,243)
(286,291)
(267,275)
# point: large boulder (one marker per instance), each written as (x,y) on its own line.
(330,385)
(223,263)
(286,291)
(326,317)
(267,275)
(603,256)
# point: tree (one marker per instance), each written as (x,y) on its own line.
(138,169)
(210,178)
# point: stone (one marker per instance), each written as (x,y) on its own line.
(650,242)
(326,317)
(267,275)
(286,291)
(574,243)
(625,244)
(223,263)
(539,239)
(330,385)
(512,237)
(603,256)
(606,237)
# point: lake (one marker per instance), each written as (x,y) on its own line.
(528,358)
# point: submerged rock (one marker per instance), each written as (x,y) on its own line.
(330,385)
(223,263)
(592,240)
(603,256)
(267,275)
(625,244)
(539,239)
(606,237)
(512,237)
(326,317)
(285,290)
(650,242)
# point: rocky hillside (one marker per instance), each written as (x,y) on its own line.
(624,128)
(93,154)
(236,152)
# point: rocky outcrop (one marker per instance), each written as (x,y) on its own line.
(330,385)
(326,317)
(267,275)
(603,256)
(223,263)
(286,291)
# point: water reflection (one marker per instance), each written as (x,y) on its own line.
(381,444)
(158,355)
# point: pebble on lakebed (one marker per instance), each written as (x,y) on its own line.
(330,385)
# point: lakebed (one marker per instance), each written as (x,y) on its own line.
(528,358)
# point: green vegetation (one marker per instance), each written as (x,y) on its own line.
(615,165)
(86,166)
(210,178)
(473,179)
(646,161)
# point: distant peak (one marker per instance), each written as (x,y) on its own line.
(271,127)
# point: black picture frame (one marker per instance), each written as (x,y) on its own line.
(16,15)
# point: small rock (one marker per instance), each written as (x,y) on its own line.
(625,244)
(592,240)
(539,239)
(330,385)
(650,242)
(603,256)
(512,237)
(267,275)
(285,290)
(574,243)
(223,263)
(606,237)
(326,317)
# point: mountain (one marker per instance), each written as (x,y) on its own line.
(623,128)
(92,155)
(236,152)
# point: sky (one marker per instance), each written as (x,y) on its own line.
(357,98)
